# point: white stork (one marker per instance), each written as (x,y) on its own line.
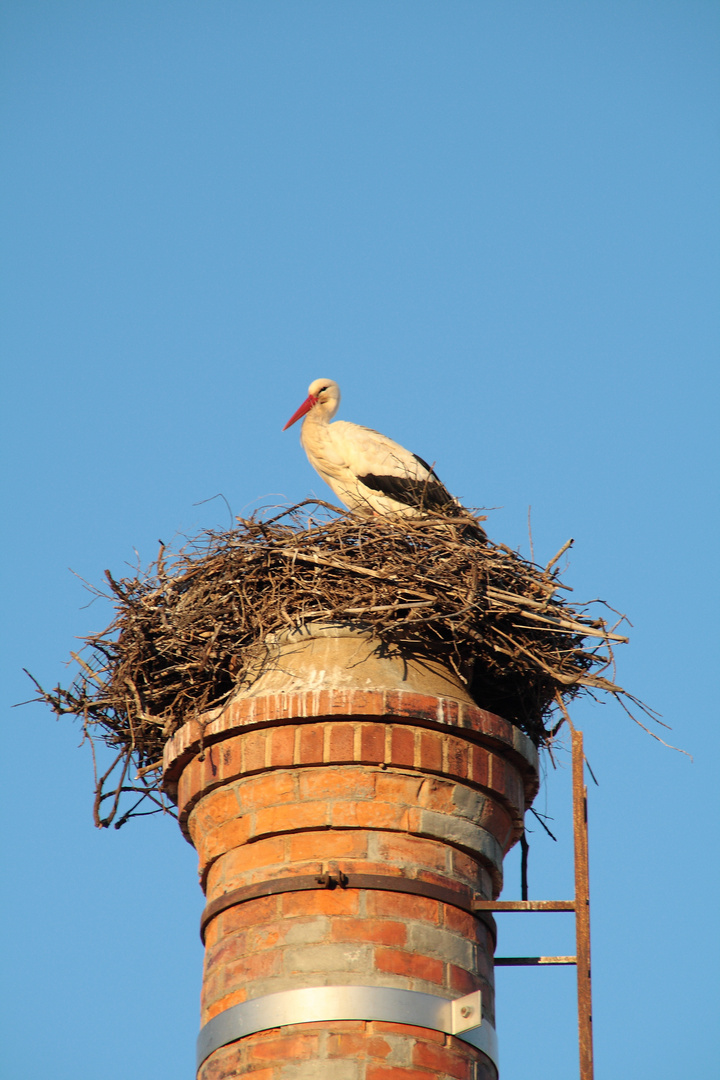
(367,471)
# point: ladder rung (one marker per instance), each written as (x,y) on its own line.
(523,905)
(532,961)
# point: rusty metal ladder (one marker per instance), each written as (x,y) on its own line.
(580,906)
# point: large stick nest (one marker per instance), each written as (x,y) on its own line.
(184,629)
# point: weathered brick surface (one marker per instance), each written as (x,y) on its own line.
(385,783)
(348,1050)
(470,739)
(293,802)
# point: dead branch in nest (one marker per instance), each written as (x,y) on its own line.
(183,633)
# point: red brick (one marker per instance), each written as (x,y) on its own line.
(365,703)
(442,1060)
(396,788)
(231,756)
(217,841)
(212,933)
(326,844)
(403,746)
(216,807)
(464,981)
(466,868)
(321,902)
(458,752)
(479,768)
(282,746)
(254,743)
(414,966)
(430,751)
(333,783)
(438,795)
(379,931)
(224,1003)
(213,988)
(255,1074)
(404,906)
(435,879)
(268,789)
(413,851)
(428,1034)
(496,778)
(342,742)
(231,833)
(451,712)
(514,789)
(216,877)
(335,1025)
(267,936)
(291,818)
(496,819)
(289,706)
(396,1072)
(188,785)
(405,703)
(367,866)
(310,750)
(372,743)
(462,922)
(258,966)
(370,815)
(352,1045)
(269,851)
(229,948)
(223,1065)
(250,913)
(287,1048)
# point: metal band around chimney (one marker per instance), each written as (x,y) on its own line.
(461,1017)
(465,899)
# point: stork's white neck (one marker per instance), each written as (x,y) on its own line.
(322,413)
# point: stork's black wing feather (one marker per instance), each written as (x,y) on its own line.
(428,494)
(426,466)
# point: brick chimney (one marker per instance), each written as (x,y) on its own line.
(346,809)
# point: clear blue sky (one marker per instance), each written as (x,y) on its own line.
(496,225)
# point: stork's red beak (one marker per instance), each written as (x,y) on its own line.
(304,408)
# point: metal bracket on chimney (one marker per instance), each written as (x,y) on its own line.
(462,897)
(461,1017)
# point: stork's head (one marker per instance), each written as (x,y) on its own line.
(323,397)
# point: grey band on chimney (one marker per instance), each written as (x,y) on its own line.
(461,1017)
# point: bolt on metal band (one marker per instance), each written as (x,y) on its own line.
(461,1017)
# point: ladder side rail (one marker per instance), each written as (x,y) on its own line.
(582,908)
